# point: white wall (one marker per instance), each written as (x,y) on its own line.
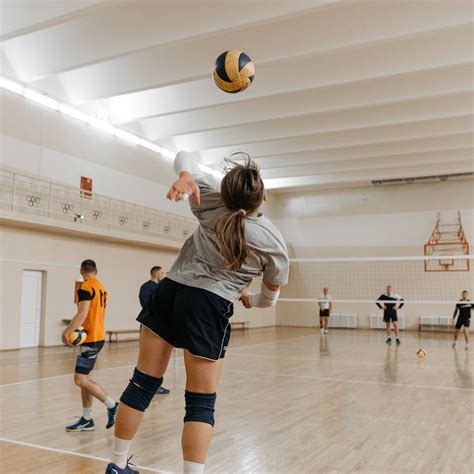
(363,218)
(384,221)
(123,267)
(45,143)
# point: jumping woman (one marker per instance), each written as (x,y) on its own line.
(192,306)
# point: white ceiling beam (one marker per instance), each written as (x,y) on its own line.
(346,138)
(368,175)
(356,118)
(400,147)
(374,163)
(344,25)
(429,83)
(20,17)
(439,49)
(124,27)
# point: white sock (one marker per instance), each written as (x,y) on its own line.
(87,413)
(190,467)
(109,402)
(120,451)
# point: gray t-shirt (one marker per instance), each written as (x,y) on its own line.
(200,263)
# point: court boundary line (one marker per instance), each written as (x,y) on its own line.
(71,374)
(73,453)
(129,365)
(357,381)
(306,377)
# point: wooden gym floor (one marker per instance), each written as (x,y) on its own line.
(290,401)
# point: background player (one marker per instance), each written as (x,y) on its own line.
(149,287)
(92,301)
(325,308)
(146,291)
(390,311)
(463,312)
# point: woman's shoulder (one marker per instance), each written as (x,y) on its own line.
(262,229)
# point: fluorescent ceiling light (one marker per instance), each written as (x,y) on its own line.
(150,146)
(95,122)
(74,113)
(168,153)
(129,137)
(102,125)
(11,86)
(41,99)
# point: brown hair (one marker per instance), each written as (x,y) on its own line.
(88,266)
(155,269)
(242,191)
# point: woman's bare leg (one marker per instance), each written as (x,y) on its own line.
(202,376)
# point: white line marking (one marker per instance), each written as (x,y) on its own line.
(63,375)
(72,453)
(129,366)
(42,264)
(381,259)
(335,379)
(335,300)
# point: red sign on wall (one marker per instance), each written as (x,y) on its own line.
(86,187)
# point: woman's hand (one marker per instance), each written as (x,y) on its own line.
(244,297)
(183,188)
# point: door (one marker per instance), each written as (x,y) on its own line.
(30,308)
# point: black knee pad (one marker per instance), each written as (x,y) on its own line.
(140,390)
(200,407)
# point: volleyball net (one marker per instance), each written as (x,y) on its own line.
(363,279)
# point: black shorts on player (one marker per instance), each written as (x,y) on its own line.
(324,313)
(463,321)
(189,318)
(87,357)
(390,316)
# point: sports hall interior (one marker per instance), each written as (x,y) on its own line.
(361,120)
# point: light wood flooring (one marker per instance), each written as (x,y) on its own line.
(290,401)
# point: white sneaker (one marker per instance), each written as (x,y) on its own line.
(467,347)
(326,331)
(322,331)
(453,345)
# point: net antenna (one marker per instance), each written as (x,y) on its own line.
(447,240)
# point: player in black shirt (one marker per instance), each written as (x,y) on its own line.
(463,308)
(149,287)
(390,311)
(146,292)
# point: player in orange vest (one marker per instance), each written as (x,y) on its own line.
(91,305)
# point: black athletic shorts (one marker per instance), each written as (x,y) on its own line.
(189,318)
(324,313)
(390,316)
(87,357)
(463,321)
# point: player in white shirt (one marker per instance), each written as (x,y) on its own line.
(325,308)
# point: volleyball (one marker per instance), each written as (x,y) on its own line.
(234,71)
(78,336)
(420,353)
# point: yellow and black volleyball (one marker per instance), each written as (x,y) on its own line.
(78,336)
(234,71)
(421,353)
